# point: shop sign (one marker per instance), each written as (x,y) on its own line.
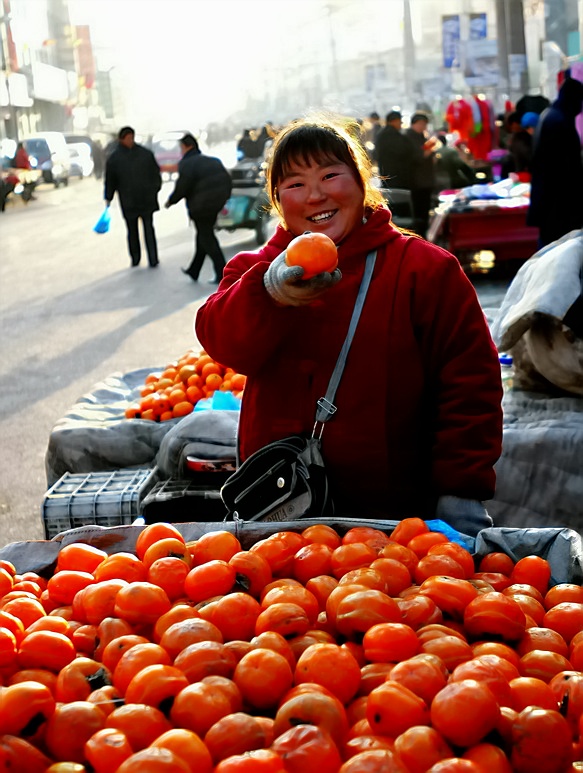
(481,63)
(450,40)
(14,90)
(49,83)
(478,26)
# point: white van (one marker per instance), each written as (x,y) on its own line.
(48,152)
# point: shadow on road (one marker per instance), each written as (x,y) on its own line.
(153,294)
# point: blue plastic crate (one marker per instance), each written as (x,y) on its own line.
(111,498)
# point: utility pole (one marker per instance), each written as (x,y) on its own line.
(10,118)
(408,52)
(511,42)
(336,79)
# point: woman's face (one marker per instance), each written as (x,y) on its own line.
(325,198)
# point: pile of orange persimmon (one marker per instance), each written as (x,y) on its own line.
(174,391)
(309,652)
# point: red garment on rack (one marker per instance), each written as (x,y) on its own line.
(481,144)
(458,115)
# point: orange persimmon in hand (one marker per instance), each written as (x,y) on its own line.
(314,252)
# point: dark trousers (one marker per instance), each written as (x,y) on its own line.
(421,205)
(206,243)
(134,237)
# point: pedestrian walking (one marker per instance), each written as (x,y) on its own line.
(205,184)
(371,133)
(132,171)
(556,167)
(98,155)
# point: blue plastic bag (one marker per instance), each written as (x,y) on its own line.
(452,534)
(220,401)
(102,225)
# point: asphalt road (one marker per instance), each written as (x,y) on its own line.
(72,312)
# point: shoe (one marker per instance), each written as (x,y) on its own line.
(135,263)
(214,281)
(155,265)
(188,273)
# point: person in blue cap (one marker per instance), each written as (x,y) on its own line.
(520,147)
(529,121)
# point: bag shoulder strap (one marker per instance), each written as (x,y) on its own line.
(326,407)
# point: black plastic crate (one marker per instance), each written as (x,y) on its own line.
(182,501)
(111,498)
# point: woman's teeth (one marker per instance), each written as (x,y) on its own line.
(323,216)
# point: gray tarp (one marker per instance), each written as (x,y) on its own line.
(540,472)
(563,548)
(95,435)
(530,324)
(204,435)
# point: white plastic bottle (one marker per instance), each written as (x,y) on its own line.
(507,371)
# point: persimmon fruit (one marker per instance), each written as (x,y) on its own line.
(314,252)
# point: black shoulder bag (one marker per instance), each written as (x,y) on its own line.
(287,479)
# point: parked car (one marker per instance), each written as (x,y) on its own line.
(48,152)
(166,150)
(80,158)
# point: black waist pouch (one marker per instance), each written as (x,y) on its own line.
(282,481)
(287,479)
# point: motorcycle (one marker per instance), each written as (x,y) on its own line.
(248,206)
(17,182)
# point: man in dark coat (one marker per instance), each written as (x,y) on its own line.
(206,185)
(133,172)
(557,170)
(394,153)
(423,177)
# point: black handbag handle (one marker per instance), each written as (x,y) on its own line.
(325,405)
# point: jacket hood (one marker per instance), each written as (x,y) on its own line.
(570,97)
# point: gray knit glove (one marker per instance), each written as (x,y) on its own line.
(468,516)
(285,284)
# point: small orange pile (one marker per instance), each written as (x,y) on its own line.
(176,390)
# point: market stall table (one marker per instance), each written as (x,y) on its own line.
(498,225)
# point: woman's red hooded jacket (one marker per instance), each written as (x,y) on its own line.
(419,403)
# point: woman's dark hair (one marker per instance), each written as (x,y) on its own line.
(321,139)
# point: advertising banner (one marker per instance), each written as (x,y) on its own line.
(481,63)
(450,34)
(478,26)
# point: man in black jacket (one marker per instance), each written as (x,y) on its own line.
(133,172)
(423,179)
(206,185)
(394,153)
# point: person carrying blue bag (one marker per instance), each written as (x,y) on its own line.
(133,172)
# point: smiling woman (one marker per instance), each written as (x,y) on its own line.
(424,445)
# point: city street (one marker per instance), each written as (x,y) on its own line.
(72,312)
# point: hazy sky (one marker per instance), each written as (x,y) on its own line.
(176,54)
(187,62)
